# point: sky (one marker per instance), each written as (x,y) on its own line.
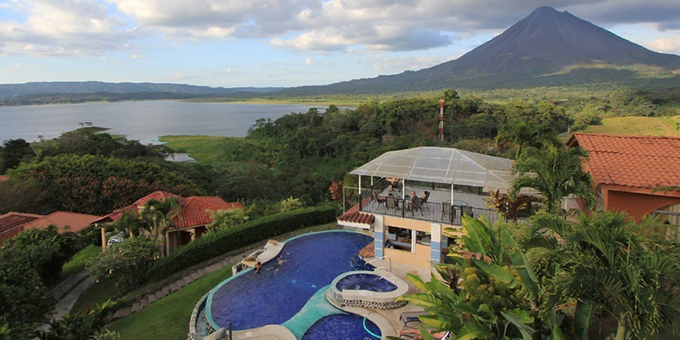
(281,43)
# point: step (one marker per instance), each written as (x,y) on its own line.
(204,271)
(136,307)
(152,298)
(181,283)
(121,313)
(188,279)
(145,302)
(161,294)
(215,267)
(196,275)
(174,287)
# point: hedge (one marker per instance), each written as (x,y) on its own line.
(215,244)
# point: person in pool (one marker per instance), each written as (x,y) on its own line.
(258,266)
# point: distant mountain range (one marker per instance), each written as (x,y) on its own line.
(88,87)
(547,48)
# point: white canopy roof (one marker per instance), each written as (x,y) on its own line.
(442,165)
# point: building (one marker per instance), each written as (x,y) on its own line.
(639,175)
(13,223)
(190,221)
(458,183)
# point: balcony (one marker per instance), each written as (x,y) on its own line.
(439,207)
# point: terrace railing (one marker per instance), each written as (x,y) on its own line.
(430,211)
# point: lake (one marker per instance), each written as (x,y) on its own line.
(139,120)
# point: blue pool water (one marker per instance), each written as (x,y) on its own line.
(281,288)
(342,327)
(371,282)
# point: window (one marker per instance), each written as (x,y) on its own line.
(398,238)
(423,238)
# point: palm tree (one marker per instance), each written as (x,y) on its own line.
(525,135)
(159,216)
(130,222)
(606,263)
(555,173)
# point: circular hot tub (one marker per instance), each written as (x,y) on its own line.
(379,289)
(365,281)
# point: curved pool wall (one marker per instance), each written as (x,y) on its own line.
(282,288)
(367,298)
(343,326)
(365,281)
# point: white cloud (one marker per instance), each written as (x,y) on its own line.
(666,45)
(309,61)
(138,56)
(63,27)
(179,76)
(20,67)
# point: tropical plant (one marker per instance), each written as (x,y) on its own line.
(159,217)
(227,218)
(80,325)
(131,222)
(290,203)
(127,262)
(510,204)
(555,173)
(522,135)
(607,264)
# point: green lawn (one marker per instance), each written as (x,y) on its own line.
(217,150)
(79,260)
(96,294)
(638,126)
(168,318)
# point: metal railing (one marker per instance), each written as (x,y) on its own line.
(430,211)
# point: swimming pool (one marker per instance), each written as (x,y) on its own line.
(343,326)
(362,281)
(284,285)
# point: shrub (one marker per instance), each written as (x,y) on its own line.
(126,262)
(228,239)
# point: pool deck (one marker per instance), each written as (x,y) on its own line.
(386,319)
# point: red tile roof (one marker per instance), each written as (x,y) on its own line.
(15,219)
(3,178)
(61,219)
(633,161)
(10,223)
(354,216)
(193,212)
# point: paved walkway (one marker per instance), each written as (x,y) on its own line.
(66,304)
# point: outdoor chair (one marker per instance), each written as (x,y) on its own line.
(378,199)
(407,317)
(467,211)
(391,203)
(417,204)
(447,210)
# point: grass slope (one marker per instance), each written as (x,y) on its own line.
(79,260)
(638,126)
(169,317)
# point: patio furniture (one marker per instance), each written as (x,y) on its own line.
(417,204)
(467,211)
(391,203)
(447,210)
(380,200)
(407,317)
(425,204)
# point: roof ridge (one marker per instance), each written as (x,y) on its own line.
(625,136)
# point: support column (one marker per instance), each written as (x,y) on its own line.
(103,232)
(435,243)
(379,235)
(193,234)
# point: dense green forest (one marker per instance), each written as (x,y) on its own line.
(297,155)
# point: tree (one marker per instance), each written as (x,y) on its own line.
(523,135)
(159,217)
(510,204)
(13,153)
(222,219)
(127,262)
(555,173)
(25,302)
(80,325)
(606,263)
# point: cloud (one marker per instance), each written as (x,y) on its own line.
(82,27)
(309,61)
(666,45)
(179,76)
(138,56)
(63,27)
(19,67)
